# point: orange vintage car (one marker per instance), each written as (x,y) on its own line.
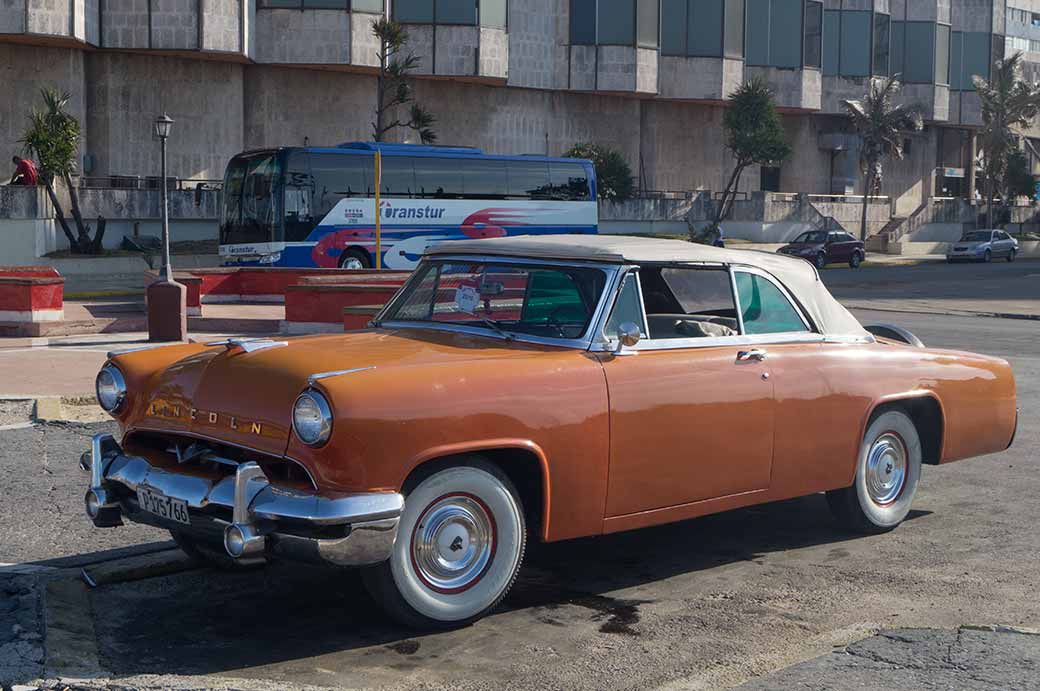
(539,388)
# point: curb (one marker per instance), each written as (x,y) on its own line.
(80,409)
(88,294)
(946,313)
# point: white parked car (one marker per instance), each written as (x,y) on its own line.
(983,246)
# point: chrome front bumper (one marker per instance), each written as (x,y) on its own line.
(264,520)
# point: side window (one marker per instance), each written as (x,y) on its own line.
(484,178)
(568,181)
(688,302)
(528,179)
(438,178)
(331,178)
(764,308)
(626,308)
(397,177)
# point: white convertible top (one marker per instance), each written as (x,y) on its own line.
(797,275)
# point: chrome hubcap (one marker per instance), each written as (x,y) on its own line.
(886,469)
(352,263)
(453,543)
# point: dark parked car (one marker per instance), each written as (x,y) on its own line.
(823,247)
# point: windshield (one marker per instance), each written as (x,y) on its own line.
(510,299)
(977,236)
(251,201)
(812,236)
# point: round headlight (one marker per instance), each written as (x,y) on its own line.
(312,418)
(110,387)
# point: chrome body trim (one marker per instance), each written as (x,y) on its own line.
(895,333)
(261,511)
(248,345)
(336,373)
(134,349)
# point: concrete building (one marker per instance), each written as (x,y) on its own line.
(515,76)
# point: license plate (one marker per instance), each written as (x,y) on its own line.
(165,507)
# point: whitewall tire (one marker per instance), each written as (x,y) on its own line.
(459,547)
(887,474)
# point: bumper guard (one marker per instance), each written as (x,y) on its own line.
(265,519)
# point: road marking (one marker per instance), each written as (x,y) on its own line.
(17,425)
(23,569)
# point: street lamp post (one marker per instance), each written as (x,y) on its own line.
(167,299)
(162,130)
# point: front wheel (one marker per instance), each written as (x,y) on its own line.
(855,260)
(987,257)
(1011,256)
(460,543)
(887,474)
(821,260)
(354,258)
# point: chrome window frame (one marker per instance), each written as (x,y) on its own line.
(626,271)
(586,341)
(783,291)
(741,339)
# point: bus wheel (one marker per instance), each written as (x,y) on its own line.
(354,258)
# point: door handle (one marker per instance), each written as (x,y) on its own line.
(753,354)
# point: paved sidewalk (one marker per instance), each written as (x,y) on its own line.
(65,366)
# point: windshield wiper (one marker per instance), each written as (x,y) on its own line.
(493,324)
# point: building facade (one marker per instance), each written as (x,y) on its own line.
(515,76)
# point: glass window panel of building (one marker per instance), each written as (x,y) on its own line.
(919,52)
(882,44)
(492,12)
(614,22)
(777,33)
(831,44)
(813,34)
(702,28)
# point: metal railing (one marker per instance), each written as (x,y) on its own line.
(146,182)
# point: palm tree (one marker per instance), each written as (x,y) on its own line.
(393,88)
(882,127)
(53,139)
(1007,103)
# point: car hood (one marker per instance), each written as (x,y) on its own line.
(802,246)
(970,244)
(231,395)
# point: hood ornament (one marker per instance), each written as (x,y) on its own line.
(248,345)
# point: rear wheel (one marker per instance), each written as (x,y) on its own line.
(459,547)
(855,260)
(887,475)
(355,258)
(821,260)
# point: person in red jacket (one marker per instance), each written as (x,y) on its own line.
(24,172)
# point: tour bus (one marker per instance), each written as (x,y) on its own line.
(310,206)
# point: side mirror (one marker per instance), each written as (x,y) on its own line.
(628,335)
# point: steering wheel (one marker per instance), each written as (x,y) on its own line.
(553,322)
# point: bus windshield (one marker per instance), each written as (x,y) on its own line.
(251,202)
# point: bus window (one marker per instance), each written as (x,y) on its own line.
(299,193)
(484,178)
(568,181)
(398,177)
(528,179)
(257,218)
(232,214)
(336,176)
(438,178)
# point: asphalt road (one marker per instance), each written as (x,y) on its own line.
(705,604)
